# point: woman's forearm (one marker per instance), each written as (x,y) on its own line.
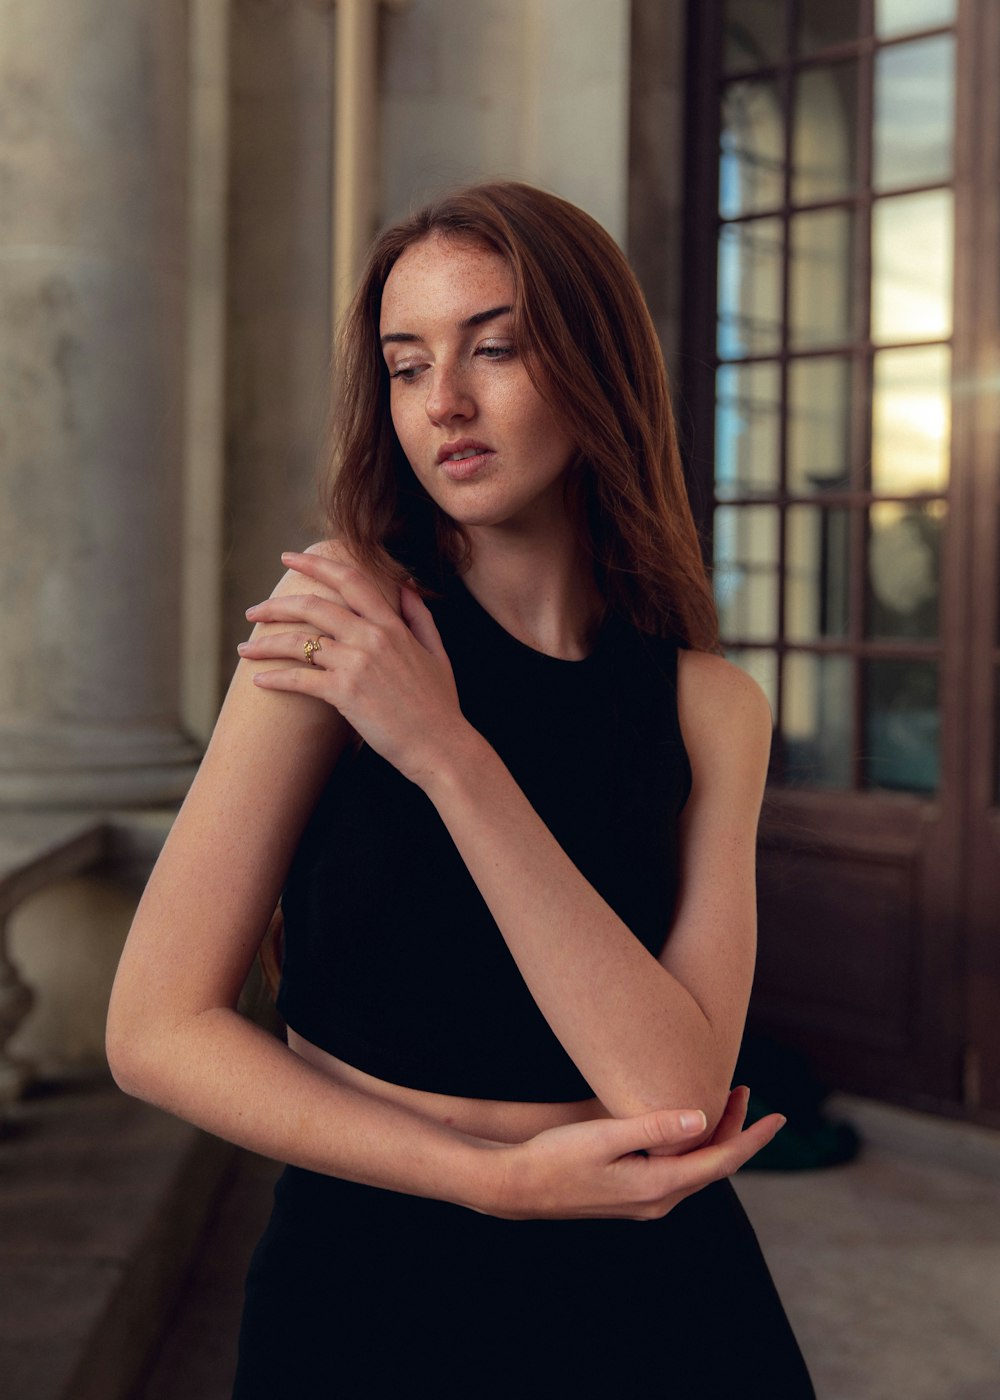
(232,1078)
(635,1032)
(227,1075)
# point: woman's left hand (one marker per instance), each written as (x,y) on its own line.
(388,675)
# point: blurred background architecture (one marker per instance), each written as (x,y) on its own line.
(810,194)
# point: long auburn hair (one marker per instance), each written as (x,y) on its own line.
(581,323)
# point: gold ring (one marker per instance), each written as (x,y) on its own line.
(311,646)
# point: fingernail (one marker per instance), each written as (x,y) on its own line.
(693,1121)
(781,1125)
(250,611)
(241,646)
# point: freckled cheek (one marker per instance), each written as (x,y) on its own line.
(527,414)
(517,416)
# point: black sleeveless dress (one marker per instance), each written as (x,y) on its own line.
(358,1291)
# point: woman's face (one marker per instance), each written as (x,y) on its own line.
(475,430)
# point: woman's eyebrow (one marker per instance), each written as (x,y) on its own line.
(478,318)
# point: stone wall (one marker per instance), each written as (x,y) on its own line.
(518,88)
(165,232)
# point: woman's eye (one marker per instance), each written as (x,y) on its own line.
(496,352)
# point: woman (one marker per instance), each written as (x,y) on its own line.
(480,745)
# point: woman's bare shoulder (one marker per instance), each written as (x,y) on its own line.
(333,547)
(289,741)
(279,720)
(715,682)
(337,548)
(723,711)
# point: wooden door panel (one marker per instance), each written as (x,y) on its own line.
(847,964)
(836,945)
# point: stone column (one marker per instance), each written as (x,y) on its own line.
(93,236)
(278,296)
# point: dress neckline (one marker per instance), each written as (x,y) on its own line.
(461,589)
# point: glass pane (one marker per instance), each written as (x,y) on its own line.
(817,573)
(763,666)
(911,420)
(752,163)
(819,421)
(902,725)
(894,17)
(821,278)
(816,720)
(747,414)
(904,569)
(912,267)
(750,288)
(746,571)
(753,33)
(821,23)
(824,132)
(914,113)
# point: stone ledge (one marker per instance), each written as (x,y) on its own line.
(102,1202)
(37,848)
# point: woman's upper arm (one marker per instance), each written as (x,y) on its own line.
(726,724)
(219,876)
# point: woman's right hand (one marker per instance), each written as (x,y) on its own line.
(625,1168)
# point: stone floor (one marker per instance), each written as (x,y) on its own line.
(889,1267)
(102,1203)
(198,1355)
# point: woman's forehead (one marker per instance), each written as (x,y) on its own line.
(444,279)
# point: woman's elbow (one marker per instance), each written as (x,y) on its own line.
(712,1098)
(135,1048)
(122,1047)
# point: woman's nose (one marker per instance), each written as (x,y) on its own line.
(448,395)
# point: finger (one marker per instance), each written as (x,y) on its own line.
(664,1127)
(322,617)
(418,617)
(289,646)
(733,1115)
(727,1127)
(357,588)
(718,1160)
(301,680)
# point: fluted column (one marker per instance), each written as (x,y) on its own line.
(93,237)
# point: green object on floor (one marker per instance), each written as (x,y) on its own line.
(806,1143)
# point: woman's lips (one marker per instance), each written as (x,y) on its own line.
(466,466)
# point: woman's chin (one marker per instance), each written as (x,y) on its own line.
(474,512)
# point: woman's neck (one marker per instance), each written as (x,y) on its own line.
(544,594)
